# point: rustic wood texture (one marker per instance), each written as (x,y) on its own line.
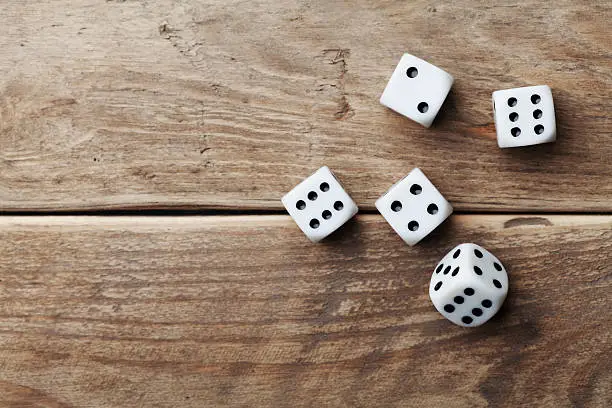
(228,104)
(215,311)
(213,105)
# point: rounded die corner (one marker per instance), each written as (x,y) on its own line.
(407,55)
(381,100)
(412,243)
(415,170)
(378,203)
(426,123)
(322,170)
(451,209)
(497,94)
(283,201)
(315,240)
(502,145)
(545,87)
(354,208)
(450,79)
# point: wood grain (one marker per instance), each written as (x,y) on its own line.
(228,104)
(218,311)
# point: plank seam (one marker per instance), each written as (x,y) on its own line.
(209,212)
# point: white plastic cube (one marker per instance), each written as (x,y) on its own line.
(414,207)
(524,116)
(417,89)
(469,285)
(319,205)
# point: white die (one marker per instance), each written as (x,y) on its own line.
(414,207)
(524,116)
(469,285)
(319,205)
(417,89)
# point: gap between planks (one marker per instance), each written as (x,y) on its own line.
(197,221)
(251,212)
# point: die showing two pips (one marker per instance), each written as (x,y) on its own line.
(417,89)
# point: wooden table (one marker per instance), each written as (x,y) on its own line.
(146,260)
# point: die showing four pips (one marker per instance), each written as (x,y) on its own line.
(470,284)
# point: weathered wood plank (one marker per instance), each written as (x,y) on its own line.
(194,312)
(227,104)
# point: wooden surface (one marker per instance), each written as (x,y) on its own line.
(201,311)
(220,107)
(228,104)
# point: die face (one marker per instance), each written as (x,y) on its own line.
(319,205)
(469,285)
(463,301)
(417,89)
(524,116)
(414,207)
